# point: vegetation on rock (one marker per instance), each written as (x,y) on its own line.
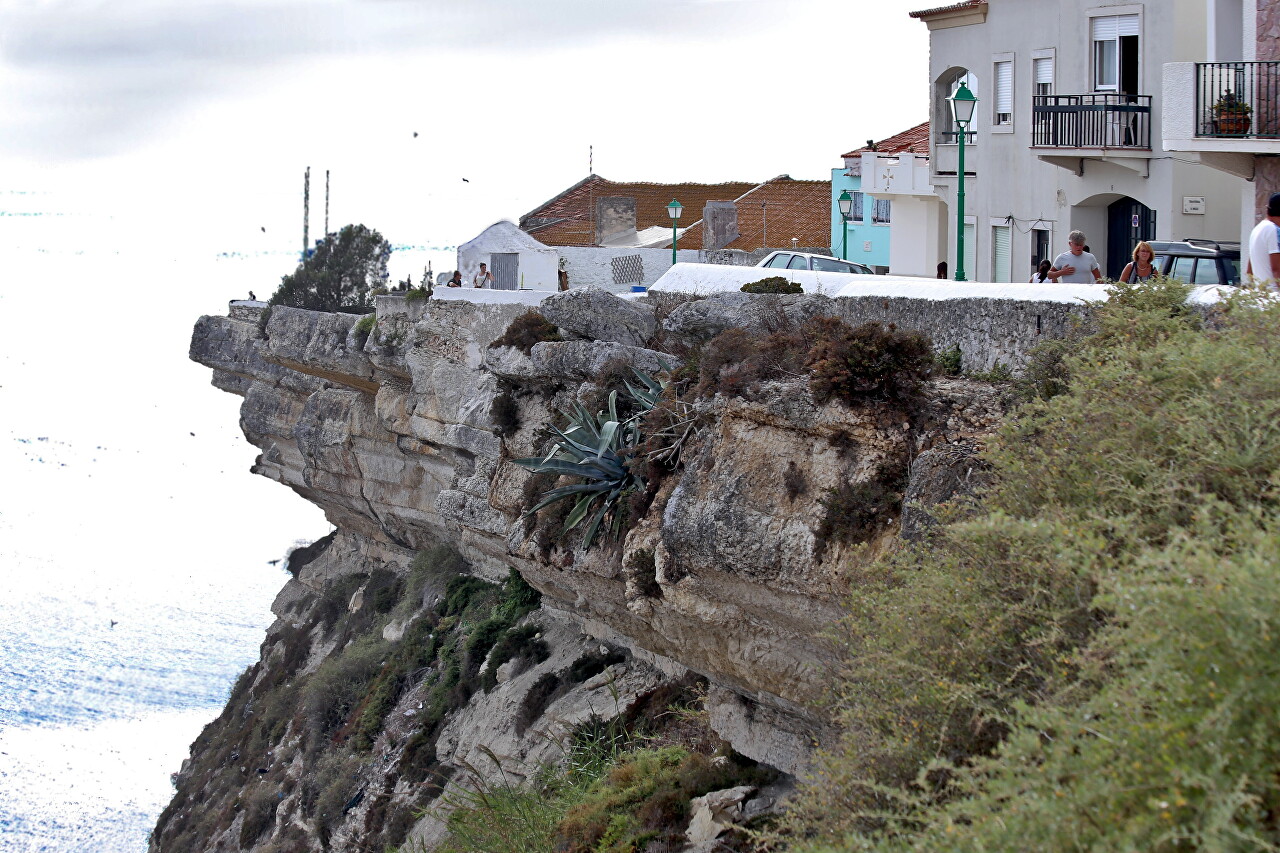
(1087,658)
(526,330)
(340,273)
(772,284)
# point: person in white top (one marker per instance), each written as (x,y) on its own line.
(484,278)
(1076,265)
(1264,245)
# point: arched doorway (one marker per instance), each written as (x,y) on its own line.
(1128,222)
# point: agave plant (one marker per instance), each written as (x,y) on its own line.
(592,447)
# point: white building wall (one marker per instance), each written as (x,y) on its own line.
(1011,180)
(539,264)
(592,266)
(916,240)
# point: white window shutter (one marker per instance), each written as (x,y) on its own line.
(1127,25)
(1043,69)
(1000,250)
(1105,28)
(1004,87)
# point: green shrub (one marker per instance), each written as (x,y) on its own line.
(417,294)
(772,284)
(259,813)
(520,644)
(526,330)
(949,361)
(340,272)
(872,360)
(363,328)
(1087,661)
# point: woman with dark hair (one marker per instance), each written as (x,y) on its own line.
(1042,273)
(1142,267)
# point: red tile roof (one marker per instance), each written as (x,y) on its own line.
(774,212)
(569,218)
(954,7)
(913,141)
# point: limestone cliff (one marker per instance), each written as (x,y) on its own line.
(728,574)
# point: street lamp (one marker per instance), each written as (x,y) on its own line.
(673,210)
(846,207)
(962,106)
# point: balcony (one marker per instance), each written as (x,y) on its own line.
(1197,114)
(1102,120)
(896,174)
(1238,100)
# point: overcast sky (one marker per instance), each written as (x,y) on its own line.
(198,118)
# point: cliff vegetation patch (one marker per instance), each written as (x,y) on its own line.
(1083,662)
(526,330)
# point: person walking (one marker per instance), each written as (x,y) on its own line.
(1264,245)
(484,278)
(1142,267)
(1076,265)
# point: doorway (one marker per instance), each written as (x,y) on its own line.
(506,270)
(1128,221)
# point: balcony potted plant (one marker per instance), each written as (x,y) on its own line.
(1231,115)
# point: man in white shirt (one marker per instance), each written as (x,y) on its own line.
(1076,265)
(1264,245)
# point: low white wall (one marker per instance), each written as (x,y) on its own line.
(590,266)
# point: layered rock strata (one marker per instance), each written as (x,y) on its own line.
(730,572)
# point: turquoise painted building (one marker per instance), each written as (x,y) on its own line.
(871,220)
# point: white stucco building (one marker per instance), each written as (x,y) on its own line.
(1242,57)
(515,259)
(1068,131)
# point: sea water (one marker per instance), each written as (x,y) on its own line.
(135,547)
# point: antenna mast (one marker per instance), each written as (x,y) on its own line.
(306,211)
(326,203)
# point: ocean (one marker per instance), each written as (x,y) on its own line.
(135,547)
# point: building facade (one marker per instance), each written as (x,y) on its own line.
(1068,131)
(1226,109)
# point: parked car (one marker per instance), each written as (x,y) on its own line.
(1198,261)
(817,263)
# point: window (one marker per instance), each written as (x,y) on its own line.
(1003,102)
(1115,54)
(1042,75)
(880,213)
(829,265)
(1182,269)
(778,261)
(798,263)
(1000,250)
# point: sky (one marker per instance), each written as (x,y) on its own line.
(192,122)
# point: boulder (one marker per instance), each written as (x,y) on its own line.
(599,315)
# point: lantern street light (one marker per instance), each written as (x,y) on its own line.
(846,207)
(962,106)
(673,210)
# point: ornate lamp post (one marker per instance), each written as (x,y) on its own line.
(846,208)
(673,210)
(962,106)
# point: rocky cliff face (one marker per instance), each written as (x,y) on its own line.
(404,437)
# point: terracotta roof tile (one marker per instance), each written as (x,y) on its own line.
(569,218)
(913,141)
(954,7)
(776,211)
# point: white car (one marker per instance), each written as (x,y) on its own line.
(817,263)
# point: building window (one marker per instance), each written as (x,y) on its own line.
(1000,251)
(1003,103)
(1042,75)
(880,212)
(855,212)
(1115,53)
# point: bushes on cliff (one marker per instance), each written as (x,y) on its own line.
(340,273)
(1086,662)
(772,284)
(526,330)
(852,364)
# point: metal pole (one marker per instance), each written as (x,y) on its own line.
(326,202)
(306,211)
(960,214)
(674,237)
(844,248)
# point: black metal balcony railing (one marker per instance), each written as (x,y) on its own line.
(1237,100)
(949,137)
(1099,120)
